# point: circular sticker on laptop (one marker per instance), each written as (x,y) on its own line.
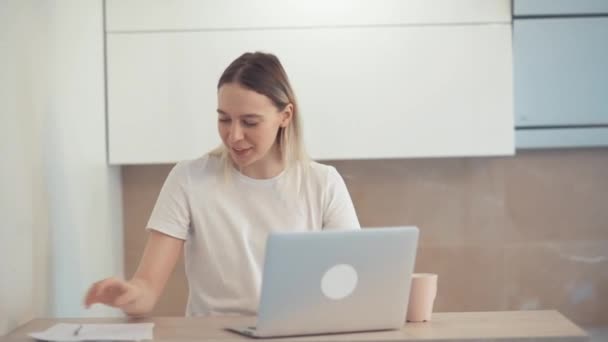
(339,281)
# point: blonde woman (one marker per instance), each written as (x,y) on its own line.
(221,207)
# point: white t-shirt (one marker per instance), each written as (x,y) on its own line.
(225,222)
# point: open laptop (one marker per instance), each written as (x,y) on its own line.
(335,282)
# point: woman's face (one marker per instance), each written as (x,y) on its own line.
(248,123)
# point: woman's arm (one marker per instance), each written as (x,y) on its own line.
(138,296)
(339,211)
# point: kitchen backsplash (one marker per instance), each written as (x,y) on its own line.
(503,233)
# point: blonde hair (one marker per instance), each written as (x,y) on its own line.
(264,74)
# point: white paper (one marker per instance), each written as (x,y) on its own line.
(88,332)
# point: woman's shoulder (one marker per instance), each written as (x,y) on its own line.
(321,173)
(319,168)
(199,167)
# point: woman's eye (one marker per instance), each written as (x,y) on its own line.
(249,123)
(223,120)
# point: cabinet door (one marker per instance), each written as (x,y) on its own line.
(176,15)
(383,92)
(559,7)
(561,72)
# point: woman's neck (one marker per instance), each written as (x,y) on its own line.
(268,167)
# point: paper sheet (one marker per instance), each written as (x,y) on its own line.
(88,332)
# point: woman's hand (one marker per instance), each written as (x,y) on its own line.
(114,292)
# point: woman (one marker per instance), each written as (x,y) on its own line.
(222,206)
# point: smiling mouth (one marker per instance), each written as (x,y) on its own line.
(242,151)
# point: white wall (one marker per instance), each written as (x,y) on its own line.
(24,230)
(60,203)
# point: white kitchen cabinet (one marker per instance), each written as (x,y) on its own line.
(380,91)
(180,15)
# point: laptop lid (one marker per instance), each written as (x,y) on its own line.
(336,281)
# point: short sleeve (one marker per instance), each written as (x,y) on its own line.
(339,211)
(171,213)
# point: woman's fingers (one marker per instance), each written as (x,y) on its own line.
(107,285)
(105,291)
(89,298)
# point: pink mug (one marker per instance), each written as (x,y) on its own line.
(423,291)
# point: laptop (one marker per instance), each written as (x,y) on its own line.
(335,281)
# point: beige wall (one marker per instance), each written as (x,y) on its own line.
(510,233)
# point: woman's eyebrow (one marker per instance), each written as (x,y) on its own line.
(246,116)
(251,116)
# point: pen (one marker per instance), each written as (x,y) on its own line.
(77,330)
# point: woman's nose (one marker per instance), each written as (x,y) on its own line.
(236,132)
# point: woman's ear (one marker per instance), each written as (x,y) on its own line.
(286,115)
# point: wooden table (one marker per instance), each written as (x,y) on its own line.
(469,326)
